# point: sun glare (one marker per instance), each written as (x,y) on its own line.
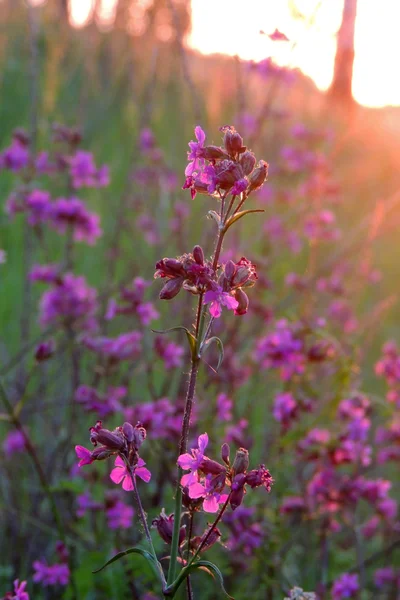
(233,27)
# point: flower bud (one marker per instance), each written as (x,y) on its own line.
(44,351)
(225,451)
(233,141)
(165,528)
(171,288)
(101,453)
(241,461)
(198,255)
(243,300)
(258,176)
(212,539)
(211,467)
(238,490)
(173,265)
(213,153)
(21,136)
(260,476)
(128,431)
(139,435)
(107,438)
(229,270)
(248,162)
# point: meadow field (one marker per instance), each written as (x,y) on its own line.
(228,310)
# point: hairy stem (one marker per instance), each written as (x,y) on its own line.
(212,527)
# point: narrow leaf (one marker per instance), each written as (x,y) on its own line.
(239,215)
(220,346)
(150,559)
(190,336)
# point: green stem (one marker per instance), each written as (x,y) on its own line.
(200,318)
(142,516)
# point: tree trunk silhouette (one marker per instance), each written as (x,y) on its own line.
(340,90)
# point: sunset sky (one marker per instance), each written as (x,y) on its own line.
(233,27)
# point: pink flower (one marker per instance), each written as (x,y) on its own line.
(193,461)
(217,299)
(121,473)
(84,454)
(195,152)
(211,495)
(19,592)
(119,515)
(57,574)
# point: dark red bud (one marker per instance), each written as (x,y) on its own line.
(233,141)
(107,438)
(248,162)
(165,528)
(225,451)
(230,269)
(213,153)
(171,289)
(129,431)
(44,351)
(198,255)
(243,300)
(211,467)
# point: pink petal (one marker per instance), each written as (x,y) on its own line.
(196,490)
(127,484)
(119,462)
(200,135)
(185,461)
(117,474)
(190,168)
(215,309)
(223,498)
(84,454)
(143,473)
(210,505)
(189,479)
(210,296)
(229,302)
(202,442)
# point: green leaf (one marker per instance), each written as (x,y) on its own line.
(220,345)
(239,215)
(149,557)
(190,336)
(202,565)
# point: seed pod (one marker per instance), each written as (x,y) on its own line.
(258,176)
(248,162)
(171,288)
(128,431)
(165,528)
(211,467)
(213,153)
(241,461)
(229,270)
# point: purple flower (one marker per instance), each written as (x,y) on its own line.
(70,299)
(13,442)
(49,575)
(195,154)
(384,577)
(84,172)
(124,347)
(120,473)
(119,515)
(224,407)
(285,408)
(147,312)
(85,503)
(19,591)
(170,352)
(73,213)
(346,586)
(217,299)
(193,461)
(15,157)
(38,204)
(45,274)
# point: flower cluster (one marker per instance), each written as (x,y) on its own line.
(208,479)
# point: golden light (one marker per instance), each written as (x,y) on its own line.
(233,27)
